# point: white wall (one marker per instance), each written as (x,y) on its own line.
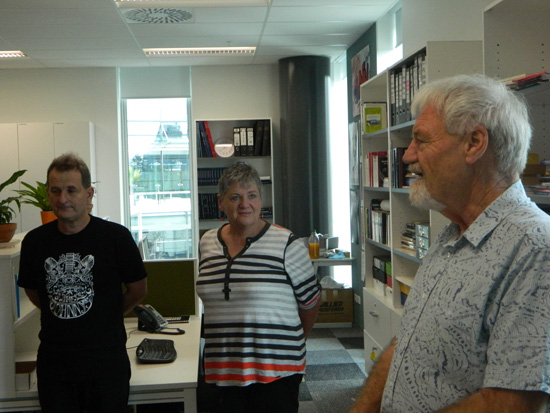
(425,20)
(240,92)
(56,95)
(62,95)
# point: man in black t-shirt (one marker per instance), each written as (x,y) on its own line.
(73,269)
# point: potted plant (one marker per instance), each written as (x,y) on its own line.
(37,196)
(7,228)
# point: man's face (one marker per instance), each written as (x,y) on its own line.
(69,199)
(435,156)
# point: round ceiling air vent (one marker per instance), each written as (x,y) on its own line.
(158,15)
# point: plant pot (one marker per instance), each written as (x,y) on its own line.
(47,216)
(7,231)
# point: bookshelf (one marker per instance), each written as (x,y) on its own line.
(20,323)
(382,306)
(209,168)
(513,51)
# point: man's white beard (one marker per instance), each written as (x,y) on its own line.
(421,198)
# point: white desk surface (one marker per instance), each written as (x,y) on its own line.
(150,383)
(169,382)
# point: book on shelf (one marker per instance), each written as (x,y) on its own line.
(377,164)
(209,139)
(399,168)
(374,116)
(377,221)
(258,137)
(203,149)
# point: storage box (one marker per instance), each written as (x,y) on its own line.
(336,306)
(25,375)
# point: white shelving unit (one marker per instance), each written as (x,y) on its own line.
(20,323)
(222,129)
(382,312)
(509,49)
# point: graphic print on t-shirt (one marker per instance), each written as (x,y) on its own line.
(69,283)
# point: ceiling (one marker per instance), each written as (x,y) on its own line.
(94,33)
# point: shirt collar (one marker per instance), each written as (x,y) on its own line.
(493,215)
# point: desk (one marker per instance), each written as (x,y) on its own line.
(150,383)
(166,383)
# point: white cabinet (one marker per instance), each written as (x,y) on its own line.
(382,305)
(33,145)
(19,323)
(209,168)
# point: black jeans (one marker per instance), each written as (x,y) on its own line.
(278,396)
(108,394)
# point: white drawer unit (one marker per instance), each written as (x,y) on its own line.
(377,319)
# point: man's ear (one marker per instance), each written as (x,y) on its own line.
(476,144)
(220,204)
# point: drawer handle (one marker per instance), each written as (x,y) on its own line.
(373,314)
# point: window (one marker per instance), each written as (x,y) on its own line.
(159,177)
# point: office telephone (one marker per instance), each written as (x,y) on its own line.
(149,319)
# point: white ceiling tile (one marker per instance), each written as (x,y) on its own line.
(329,13)
(196,41)
(207,29)
(231,15)
(319,28)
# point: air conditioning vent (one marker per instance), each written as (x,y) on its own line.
(158,15)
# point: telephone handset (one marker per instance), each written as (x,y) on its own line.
(149,319)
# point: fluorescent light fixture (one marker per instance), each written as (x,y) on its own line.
(11,54)
(201,51)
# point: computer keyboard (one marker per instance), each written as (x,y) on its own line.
(156,351)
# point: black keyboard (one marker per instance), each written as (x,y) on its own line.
(156,351)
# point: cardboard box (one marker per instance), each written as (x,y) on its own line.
(25,375)
(336,306)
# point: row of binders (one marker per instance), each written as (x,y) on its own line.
(253,141)
(404,83)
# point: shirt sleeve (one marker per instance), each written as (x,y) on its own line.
(300,270)
(517,355)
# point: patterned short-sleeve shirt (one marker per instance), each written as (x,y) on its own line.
(479,312)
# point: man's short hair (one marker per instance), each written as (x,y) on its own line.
(68,162)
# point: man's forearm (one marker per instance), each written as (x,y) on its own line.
(370,398)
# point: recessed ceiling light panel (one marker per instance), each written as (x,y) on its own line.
(200,51)
(6,54)
(158,15)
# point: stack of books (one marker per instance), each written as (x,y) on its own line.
(524,81)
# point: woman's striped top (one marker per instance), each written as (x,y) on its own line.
(252,330)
